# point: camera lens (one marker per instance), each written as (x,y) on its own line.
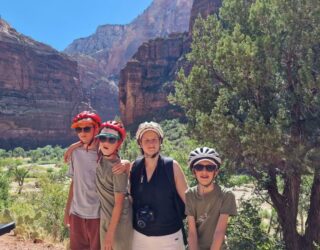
(141,224)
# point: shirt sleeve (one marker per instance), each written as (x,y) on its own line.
(120,183)
(189,211)
(229,204)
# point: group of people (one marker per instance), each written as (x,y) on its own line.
(117,205)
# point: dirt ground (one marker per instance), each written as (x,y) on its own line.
(11,242)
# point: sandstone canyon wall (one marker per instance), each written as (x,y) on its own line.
(39,92)
(148,78)
(102,55)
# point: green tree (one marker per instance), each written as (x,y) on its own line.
(3,153)
(51,204)
(18,152)
(4,188)
(254,90)
(20,173)
(129,149)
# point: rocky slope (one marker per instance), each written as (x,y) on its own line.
(114,45)
(100,90)
(148,77)
(39,92)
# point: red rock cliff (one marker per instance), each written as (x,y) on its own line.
(39,92)
(148,77)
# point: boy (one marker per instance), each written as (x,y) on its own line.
(116,212)
(82,208)
(208,206)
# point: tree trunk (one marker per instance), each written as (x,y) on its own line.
(286,205)
(312,234)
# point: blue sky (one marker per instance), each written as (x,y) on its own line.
(58,22)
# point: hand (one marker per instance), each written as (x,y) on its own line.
(108,241)
(67,154)
(121,167)
(66,220)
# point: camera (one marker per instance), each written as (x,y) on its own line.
(144,215)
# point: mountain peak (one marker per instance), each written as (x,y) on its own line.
(115,44)
(5,27)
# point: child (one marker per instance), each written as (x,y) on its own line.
(208,206)
(82,209)
(116,212)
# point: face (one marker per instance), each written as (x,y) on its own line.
(108,145)
(205,177)
(85,133)
(150,143)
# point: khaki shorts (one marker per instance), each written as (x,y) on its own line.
(124,231)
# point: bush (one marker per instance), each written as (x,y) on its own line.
(4,189)
(245,231)
(40,214)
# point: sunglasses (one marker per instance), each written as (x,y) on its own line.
(209,168)
(84,130)
(111,140)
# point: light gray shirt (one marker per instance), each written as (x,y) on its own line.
(82,170)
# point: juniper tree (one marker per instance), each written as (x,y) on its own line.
(254,91)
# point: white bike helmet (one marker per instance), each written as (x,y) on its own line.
(149,126)
(204,153)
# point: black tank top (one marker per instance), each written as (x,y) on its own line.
(158,195)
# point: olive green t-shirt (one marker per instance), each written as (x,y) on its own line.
(108,184)
(206,210)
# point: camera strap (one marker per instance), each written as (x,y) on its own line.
(139,165)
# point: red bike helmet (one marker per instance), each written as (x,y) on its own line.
(117,126)
(86,118)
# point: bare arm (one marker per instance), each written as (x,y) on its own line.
(220,232)
(67,209)
(70,149)
(115,217)
(192,233)
(180,180)
(121,167)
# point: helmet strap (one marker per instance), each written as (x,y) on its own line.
(151,156)
(93,138)
(208,185)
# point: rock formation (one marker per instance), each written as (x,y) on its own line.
(41,89)
(39,92)
(114,45)
(148,77)
(100,91)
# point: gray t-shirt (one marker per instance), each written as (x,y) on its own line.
(206,210)
(108,184)
(82,169)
